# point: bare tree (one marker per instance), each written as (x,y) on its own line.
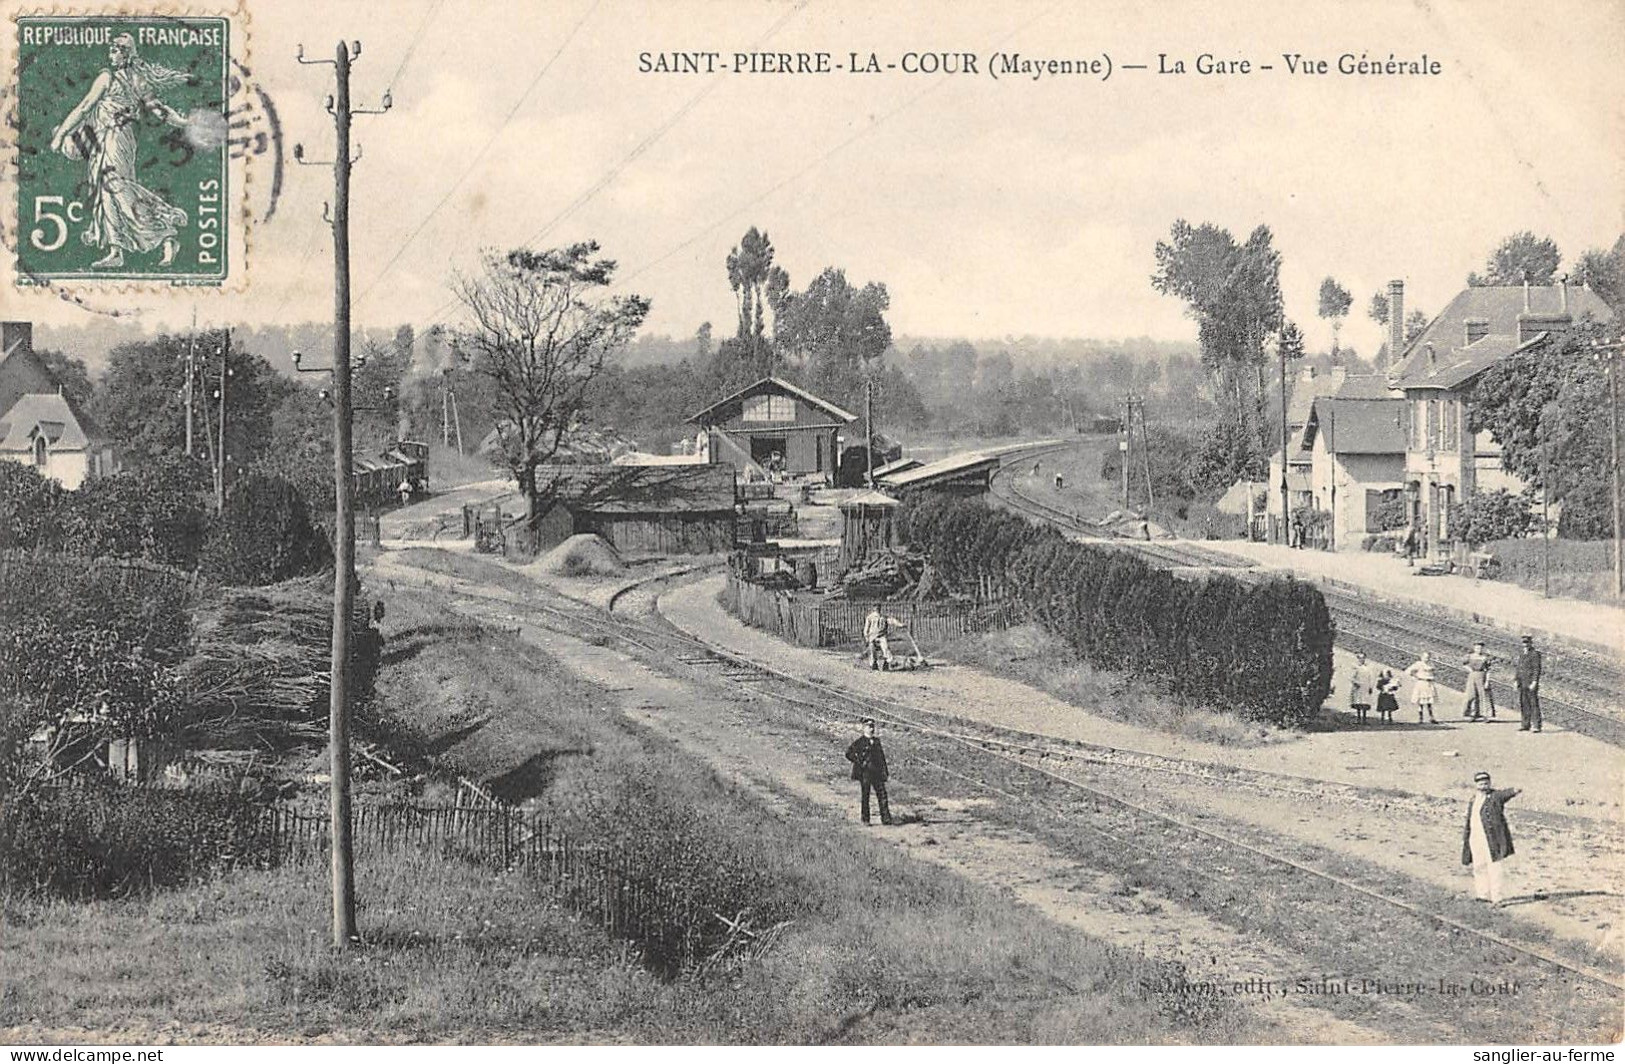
(541,328)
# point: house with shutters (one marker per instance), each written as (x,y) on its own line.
(1445,462)
(39,426)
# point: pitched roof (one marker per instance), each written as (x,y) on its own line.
(868,498)
(776,383)
(1497,309)
(1367,386)
(47,415)
(1304,391)
(949,468)
(1358,426)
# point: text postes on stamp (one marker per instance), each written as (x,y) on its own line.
(123,142)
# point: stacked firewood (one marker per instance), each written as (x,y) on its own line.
(890,573)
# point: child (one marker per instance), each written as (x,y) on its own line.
(1362,687)
(1423,691)
(1387,696)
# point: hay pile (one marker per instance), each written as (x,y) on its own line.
(583,555)
(259,667)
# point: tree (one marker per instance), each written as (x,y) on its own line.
(757,284)
(1604,273)
(541,330)
(1378,310)
(71,376)
(1547,407)
(1234,293)
(836,330)
(1335,301)
(141,402)
(1519,256)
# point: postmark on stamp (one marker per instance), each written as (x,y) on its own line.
(123,145)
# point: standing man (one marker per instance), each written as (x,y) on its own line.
(869,769)
(875,626)
(1478,684)
(1526,671)
(1486,841)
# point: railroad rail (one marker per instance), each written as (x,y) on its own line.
(1581,691)
(1125,824)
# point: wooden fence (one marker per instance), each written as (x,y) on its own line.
(814,621)
(598,884)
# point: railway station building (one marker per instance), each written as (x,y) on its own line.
(775,426)
(1446,462)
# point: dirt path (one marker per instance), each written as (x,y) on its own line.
(1568,878)
(778,762)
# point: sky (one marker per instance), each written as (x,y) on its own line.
(989,207)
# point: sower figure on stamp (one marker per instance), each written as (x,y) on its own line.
(1526,671)
(869,769)
(125,215)
(1486,841)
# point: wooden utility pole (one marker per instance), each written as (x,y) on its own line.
(338,731)
(191,372)
(1608,355)
(220,429)
(869,429)
(1286,516)
(1123,446)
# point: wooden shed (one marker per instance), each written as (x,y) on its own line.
(781,427)
(868,524)
(682,509)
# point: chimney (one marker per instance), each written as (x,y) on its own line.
(1396,321)
(1563,287)
(1432,360)
(15,333)
(1526,291)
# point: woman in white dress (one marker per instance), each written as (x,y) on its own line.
(125,215)
(1423,691)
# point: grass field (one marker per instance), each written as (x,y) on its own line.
(876,946)
(1041,659)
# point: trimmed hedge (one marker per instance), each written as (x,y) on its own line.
(1261,650)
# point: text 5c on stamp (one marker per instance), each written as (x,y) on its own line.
(122,146)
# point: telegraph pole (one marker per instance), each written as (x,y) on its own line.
(338,734)
(1608,355)
(220,451)
(1285,504)
(869,429)
(191,370)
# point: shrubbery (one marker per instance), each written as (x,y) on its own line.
(1262,650)
(264,536)
(97,842)
(1489,515)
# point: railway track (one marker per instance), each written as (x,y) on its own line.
(1581,690)
(1056,776)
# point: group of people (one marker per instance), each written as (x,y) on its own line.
(1371,687)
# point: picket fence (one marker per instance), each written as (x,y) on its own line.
(814,621)
(599,885)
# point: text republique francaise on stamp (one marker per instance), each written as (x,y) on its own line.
(122,149)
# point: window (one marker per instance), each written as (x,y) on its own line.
(818,457)
(1419,423)
(770,408)
(1433,424)
(1450,428)
(39,451)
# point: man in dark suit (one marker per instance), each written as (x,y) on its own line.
(869,769)
(1486,841)
(1526,671)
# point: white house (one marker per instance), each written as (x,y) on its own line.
(38,425)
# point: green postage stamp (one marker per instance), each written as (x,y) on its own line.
(122,149)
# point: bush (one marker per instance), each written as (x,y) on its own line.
(157,513)
(265,536)
(1491,515)
(1588,511)
(1391,514)
(1261,650)
(98,842)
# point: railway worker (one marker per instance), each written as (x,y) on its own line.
(1362,687)
(875,627)
(405,490)
(1423,691)
(1060,482)
(869,769)
(1478,684)
(1486,841)
(1526,673)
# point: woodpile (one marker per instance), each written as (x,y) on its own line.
(260,662)
(892,573)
